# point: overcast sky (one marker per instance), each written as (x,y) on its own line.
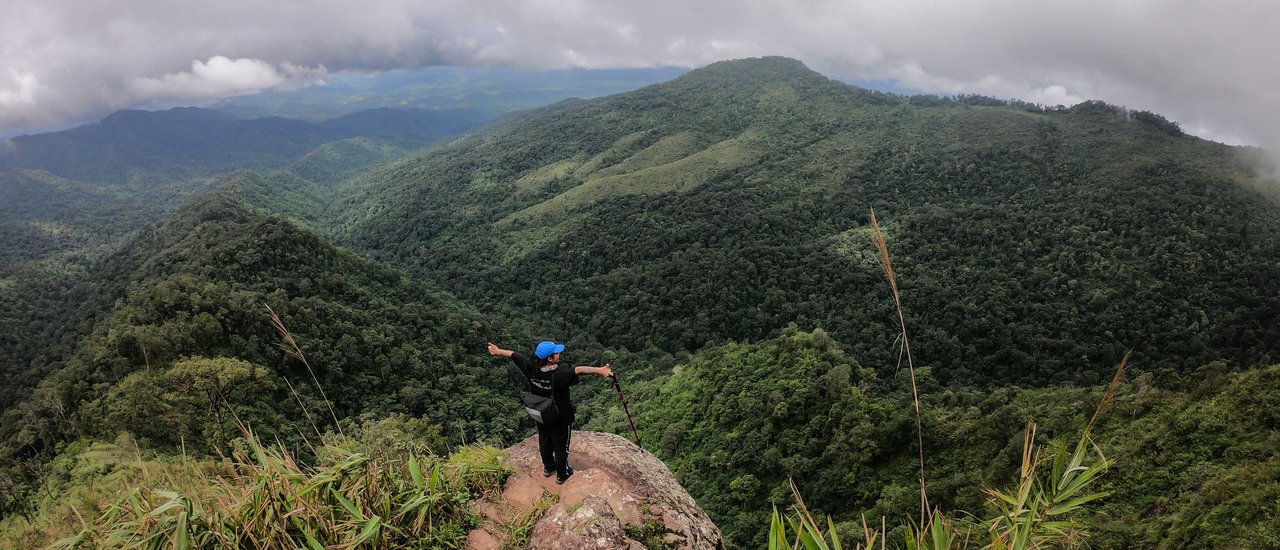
(1206,63)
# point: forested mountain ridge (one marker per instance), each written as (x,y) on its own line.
(1037,244)
(62,234)
(184,305)
(42,214)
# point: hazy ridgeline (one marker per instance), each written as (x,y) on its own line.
(709,236)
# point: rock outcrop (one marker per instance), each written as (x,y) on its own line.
(618,497)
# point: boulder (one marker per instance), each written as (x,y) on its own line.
(619,497)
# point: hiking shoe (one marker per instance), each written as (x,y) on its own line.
(547,473)
(568,474)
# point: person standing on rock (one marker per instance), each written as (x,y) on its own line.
(547,380)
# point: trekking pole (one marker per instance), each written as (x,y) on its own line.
(626,409)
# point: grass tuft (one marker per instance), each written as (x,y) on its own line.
(520,528)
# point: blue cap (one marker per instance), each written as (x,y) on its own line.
(547,349)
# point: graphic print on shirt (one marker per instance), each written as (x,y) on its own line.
(543,379)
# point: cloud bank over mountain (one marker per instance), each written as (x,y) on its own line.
(220,77)
(1202,64)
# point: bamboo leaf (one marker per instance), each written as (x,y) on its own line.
(1073,504)
(311,540)
(371,530)
(835,539)
(73,542)
(777,532)
(349,506)
(182,539)
(415,470)
(435,479)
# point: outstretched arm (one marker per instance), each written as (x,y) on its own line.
(604,371)
(497,351)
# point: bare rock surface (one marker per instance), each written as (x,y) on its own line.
(589,524)
(616,489)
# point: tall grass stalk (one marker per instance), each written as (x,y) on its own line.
(305,413)
(291,348)
(882,247)
(1109,396)
(1035,513)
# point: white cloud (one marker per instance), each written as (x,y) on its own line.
(218,77)
(1204,64)
(18,89)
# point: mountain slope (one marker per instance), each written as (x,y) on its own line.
(178,346)
(58,229)
(42,215)
(1035,245)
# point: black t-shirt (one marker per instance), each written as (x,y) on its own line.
(553,383)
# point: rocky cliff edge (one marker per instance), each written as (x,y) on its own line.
(618,497)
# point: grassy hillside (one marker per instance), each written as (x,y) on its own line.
(1037,244)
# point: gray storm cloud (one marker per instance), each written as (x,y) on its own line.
(1204,64)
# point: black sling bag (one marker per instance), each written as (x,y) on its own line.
(543,410)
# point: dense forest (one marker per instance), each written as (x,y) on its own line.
(710,237)
(1192,468)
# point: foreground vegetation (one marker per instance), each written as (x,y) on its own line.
(364,491)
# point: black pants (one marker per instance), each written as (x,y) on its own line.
(553,443)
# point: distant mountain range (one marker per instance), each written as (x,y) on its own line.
(183,143)
(492,91)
